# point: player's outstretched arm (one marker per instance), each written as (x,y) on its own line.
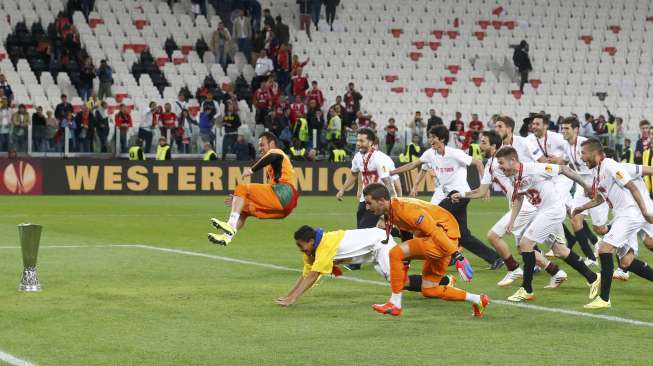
(480,192)
(571,174)
(406,167)
(303,284)
(516,207)
(647,170)
(420,176)
(349,182)
(596,200)
(479,166)
(640,201)
(387,181)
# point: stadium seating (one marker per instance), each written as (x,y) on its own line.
(452,55)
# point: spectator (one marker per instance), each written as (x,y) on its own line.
(282,31)
(244,150)
(297,109)
(268,20)
(105,78)
(628,155)
(333,107)
(62,109)
(102,123)
(297,150)
(254,9)
(6,89)
(85,130)
(599,125)
(296,64)
(168,122)
(262,102)
(136,150)
(184,132)
(209,153)
(316,94)
(206,124)
(330,7)
(220,41)
(86,76)
(522,62)
(93,101)
(315,124)
(457,125)
(413,151)
(5,123)
(492,122)
(299,84)
(123,121)
(231,122)
(587,126)
(300,130)
(316,8)
(163,150)
(212,106)
(334,126)
(475,125)
(417,125)
(243,32)
(264,67)
(619,134)
(434,120)
(391,137)
(283,69)
(19,125)
(68,123)
(149,122)
(180,105)
(644,142)
(52,126)
(362,119)
(351,133)
(305,16)
(352,103)
(338,153)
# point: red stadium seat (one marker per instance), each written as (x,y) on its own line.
(615,29)
(478,81)
(479,35)
(587,39)
(453,68)
(438,34)
(453,34)
(396,32)
(397,89)
(449,80)
(415,56)
(391,78)
(434,45)
(483,23)
(516,94)
(419,44)
(535,83)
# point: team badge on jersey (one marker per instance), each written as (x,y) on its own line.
(419,219)
(619,175)
(548,169)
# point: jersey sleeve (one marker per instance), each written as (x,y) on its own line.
(382,168)
(487,177)
(549,170)
(618,174)
(462,157)
(355,165)
(308,262)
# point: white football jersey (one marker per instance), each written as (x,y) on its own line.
(494,175)
(635,172)
(610,180)
(373,167)
(450,168)
(574,154)
(535,182)
(551,144)
(525,152)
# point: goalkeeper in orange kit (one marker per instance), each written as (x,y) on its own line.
(436,234)
(273,200)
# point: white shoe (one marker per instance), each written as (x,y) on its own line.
(621,275)
(557,279)
(588,262)
(511,277)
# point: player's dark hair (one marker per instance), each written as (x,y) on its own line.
(507,151)
(507,121)
(609,152)
(541,116)
(369,133)
(644,123)
(593,144)
(441,133)
(573,121)
(305,233)
(494,138)
(270,137)
(376,191)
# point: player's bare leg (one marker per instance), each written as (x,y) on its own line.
(230,227)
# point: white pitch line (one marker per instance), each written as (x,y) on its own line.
(13,360)
(345,278)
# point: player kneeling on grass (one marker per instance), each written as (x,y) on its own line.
(324,250)
(436,234)
(273,200)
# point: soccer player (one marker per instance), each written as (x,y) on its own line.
(491,142)
(599,214)
(323,250)
(535,182)
(272,200)
(373,165)
(450,166)
(553,147)
(613,184)
(436,234)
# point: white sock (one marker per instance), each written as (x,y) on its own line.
(395,299)
(233,219)
(473,298)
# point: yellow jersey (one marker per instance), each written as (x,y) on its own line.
(327,247)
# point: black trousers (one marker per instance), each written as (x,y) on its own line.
(524,79)
(467,240)
(330,15)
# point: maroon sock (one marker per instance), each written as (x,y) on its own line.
(511,263)
(552,268)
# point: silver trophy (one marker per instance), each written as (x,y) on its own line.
(30,236)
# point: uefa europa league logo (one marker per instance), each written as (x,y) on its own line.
(20,177)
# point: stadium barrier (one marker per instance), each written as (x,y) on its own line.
(187,177)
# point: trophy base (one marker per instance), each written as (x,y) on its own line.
(29,281)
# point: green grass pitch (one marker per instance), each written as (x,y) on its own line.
(135,306)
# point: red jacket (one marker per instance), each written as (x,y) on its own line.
(123,121)
(296,109)
(283,59)
(299,86)
(262,98)
(317,96)
(168,119)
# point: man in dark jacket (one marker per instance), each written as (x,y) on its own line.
(433,121)
(522,62)
(282,31)
(331,6)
